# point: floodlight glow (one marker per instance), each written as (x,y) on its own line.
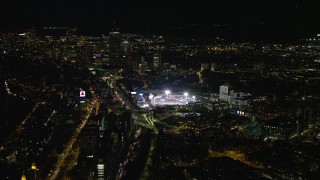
(150,96)
(167,92)
(194,97)
(186,94)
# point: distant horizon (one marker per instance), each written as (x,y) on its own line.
(251,32)
(246,19)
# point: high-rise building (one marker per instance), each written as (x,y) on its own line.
(100,170)
(156,61)
(224,93)
(114,48)
(88,139)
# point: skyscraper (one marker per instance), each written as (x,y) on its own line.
(224,93)
(114,48)
(156,61)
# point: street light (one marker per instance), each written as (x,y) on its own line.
(186,94)
(167,93)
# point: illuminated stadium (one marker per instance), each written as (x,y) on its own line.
(170,99)
(147,99)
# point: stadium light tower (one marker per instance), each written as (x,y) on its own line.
(167,93)
(186,94)
(151,98)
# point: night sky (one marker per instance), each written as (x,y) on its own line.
(292,16)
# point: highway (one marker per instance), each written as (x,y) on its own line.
(139,116)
